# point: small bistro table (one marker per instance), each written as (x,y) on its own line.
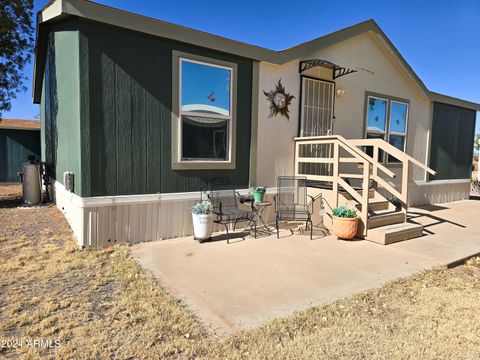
(258,209)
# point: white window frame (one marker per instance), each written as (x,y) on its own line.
(182,113)
(176,129)
(387,131)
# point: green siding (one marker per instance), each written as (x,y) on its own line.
(15,147)
(42,125)
(452,142)
(129,89)
(60,104)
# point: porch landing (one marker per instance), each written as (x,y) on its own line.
(241,285)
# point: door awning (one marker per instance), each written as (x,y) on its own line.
(338,70)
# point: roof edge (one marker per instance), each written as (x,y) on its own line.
(446,99)
(140,23)
(19,124)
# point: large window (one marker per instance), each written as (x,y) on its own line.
(205,114)
(387,120)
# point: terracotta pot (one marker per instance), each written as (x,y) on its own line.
(345,228)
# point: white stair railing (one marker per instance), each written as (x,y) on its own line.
(371,167)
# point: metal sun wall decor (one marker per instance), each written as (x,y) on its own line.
(279,100)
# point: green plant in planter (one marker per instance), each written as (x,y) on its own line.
(203,208)
(344,212)
(261,189)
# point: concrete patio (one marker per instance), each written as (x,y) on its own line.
(245,283)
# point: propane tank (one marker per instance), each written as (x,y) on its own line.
(32,186)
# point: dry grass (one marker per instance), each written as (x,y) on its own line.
(102,305)
(8,190)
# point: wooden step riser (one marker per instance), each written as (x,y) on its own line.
(393,218)
(378,206)
(390,238)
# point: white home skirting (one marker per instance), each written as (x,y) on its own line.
(435,192)
(438,191)
(103,221)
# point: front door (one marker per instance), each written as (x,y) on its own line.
(316,119)
(317,107)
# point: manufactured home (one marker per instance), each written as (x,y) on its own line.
(144,114)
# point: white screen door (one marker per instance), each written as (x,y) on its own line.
(317,107)
(316,120)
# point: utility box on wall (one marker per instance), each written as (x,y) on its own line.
(68,181)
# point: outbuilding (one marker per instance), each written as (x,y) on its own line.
(19,139)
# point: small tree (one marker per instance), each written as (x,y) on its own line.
(16,44)
(477,139)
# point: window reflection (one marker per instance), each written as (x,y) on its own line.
(377,114)
(398,117)
(205,88)
(204,138)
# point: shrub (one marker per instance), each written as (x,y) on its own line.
(203,208)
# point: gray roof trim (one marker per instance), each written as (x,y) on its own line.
(437,97)
(148,25)
(89,10)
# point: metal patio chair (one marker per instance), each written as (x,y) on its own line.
(291,201)
(225,202)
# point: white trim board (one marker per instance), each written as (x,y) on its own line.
(442,182)
(98,201)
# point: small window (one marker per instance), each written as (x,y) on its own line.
(205,111)
(376,116)
(386,120)
(397,127)
(398,117)
(376,122)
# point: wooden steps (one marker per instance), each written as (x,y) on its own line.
(385,224)
(379,220)
(393,233)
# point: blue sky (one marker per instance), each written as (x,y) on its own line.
(439,39)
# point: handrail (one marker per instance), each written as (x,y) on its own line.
(345,142)
(336,178)
(392,150)
(370,163)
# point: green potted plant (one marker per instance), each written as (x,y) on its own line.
(202,218)
(345,222)
(258,193)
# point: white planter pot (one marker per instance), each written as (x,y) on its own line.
(202,226)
